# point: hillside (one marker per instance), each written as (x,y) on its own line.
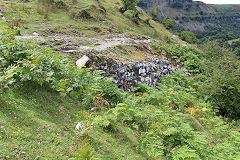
(208,22)
(191,12)
(177,8)
(142,94)
(81,18)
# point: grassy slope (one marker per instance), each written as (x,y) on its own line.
(59,20)
(36,123)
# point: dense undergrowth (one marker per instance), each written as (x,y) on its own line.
(43,97)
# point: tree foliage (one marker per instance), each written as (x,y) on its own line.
(223,84)
(188,36)
(129,5)
(169,23)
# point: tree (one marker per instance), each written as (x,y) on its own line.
(188,36)
(128,5)
(221,66)
(169,23)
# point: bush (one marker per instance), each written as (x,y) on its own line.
(84,152)
(133,15)
(128,5)
(191,56)
(223,85)
(14,22)
(60,4)
(169,23)
(189,131)
(188,36)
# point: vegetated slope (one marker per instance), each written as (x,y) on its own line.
(43,98)
(80,18)
(177,8)
(209,22)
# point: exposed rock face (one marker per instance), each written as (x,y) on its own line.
(191,26)
(132,73)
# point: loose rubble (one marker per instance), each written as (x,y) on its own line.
(131,74)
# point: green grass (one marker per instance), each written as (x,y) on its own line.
(60,21)
(36,123)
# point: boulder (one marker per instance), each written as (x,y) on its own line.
(82,61)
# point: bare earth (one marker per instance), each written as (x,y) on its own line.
(79,44)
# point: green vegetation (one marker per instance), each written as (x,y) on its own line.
(191,56)
(172,121)
(129,5)
(169,23)
(208,22)
(46,101)
(222,67)
(80,18)
(188,36)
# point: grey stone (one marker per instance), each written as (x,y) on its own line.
(142,70)
(149,48)
(133,73)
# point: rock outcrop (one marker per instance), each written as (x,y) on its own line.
(134,72)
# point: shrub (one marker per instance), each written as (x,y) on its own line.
(188,36)
(84,152)
(60,4)
(133,15)
(14,22)
(128,5)
(177,5)
(169,23)
(189,131)
(223,84)
(191,56)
